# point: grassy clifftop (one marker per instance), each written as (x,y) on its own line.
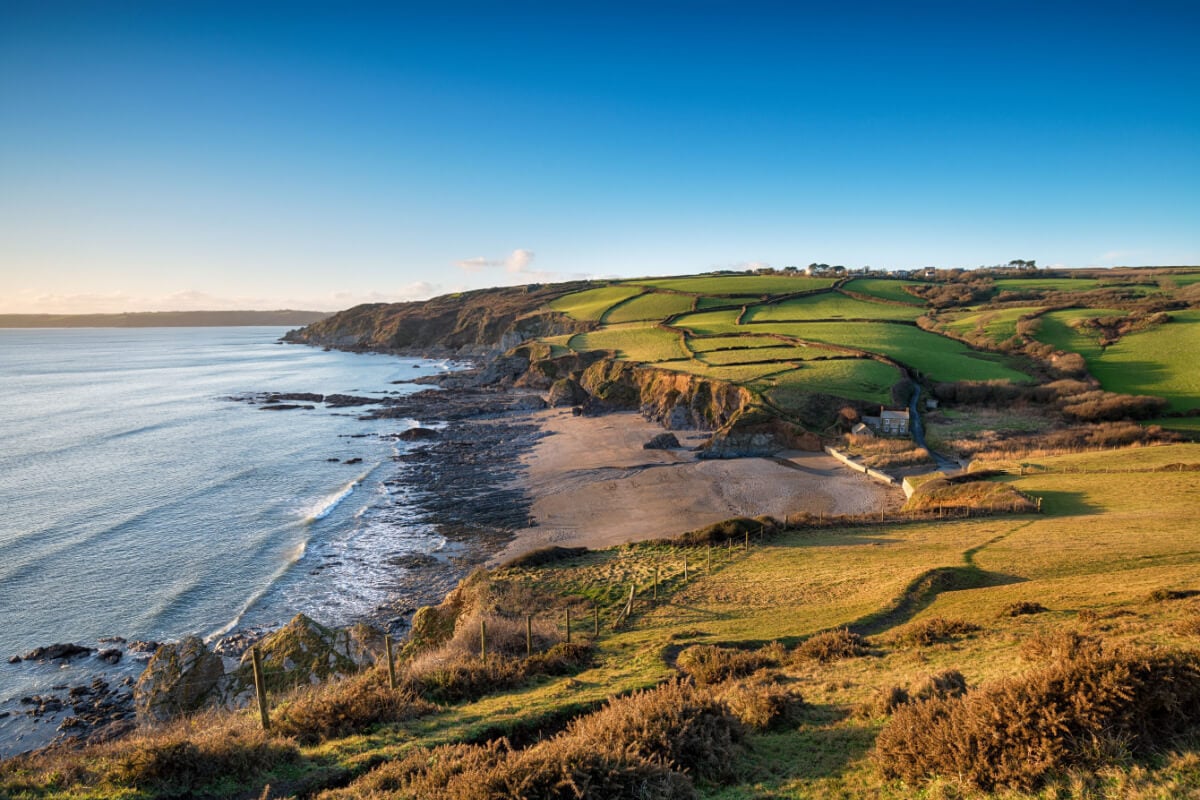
(805,650)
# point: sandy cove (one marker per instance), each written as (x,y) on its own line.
(592,484)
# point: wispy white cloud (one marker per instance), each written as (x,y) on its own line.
(517,262)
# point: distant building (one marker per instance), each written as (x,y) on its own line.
(893,423)
(861,429)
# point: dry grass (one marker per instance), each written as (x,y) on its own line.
(1079,712)
(345,707)
(933,630)
(831,646)
(708,664)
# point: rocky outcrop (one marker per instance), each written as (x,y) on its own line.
(756,432)
(179,679)
(482,322)
(303,652)
(664,441)
(566,392)
(57,652)
(676,400)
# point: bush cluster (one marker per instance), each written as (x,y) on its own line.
(934,630)
(721,532)
(1022,608)
(645,745)
(939,685)
(1073,713)
(831,646)
(345,707)
(709,664)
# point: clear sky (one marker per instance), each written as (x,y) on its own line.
(178,155)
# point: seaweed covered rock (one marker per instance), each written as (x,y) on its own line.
(179,679)
(301,652)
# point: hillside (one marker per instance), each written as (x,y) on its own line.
(807,644)
(162,319)
(1067,348)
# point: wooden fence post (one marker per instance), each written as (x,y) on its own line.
(685,568)
(483,639)
(656,584)
(596,620)
(528,634)
(709,570)
(260,687)
(568,626)
(391,662)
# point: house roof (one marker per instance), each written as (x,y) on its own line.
(886,414)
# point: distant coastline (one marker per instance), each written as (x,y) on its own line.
(163,319)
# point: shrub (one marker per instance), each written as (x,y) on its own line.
(1021,608)
(673,724)
(546,555)
(762,704)
(345,707)
(707,664)
(558,768)
(1013,733)
(831,646)
(934,630)
(454,676)
(948,683)
(1163,595)
(183,759)
(1058,645)
(883,702)
(1189,626)
(721,532)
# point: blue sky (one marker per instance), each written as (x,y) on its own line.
(208,154)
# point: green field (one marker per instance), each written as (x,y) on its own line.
(738,284)
(830,305)
(736,300)
(737,373)
(999,325)
(781,353)
(854,378)
(590,304)
(632,342)
(709,322)
(886,289)
(702,345)
(654,306)
(1162,361)
(1047,284)
(936,356)
(1055,328)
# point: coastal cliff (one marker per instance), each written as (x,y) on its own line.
(466,323)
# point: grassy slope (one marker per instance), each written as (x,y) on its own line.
(998,325)
(590,305)
(738,284)
(886,289)
(856,378)
(831,305)
(653,306)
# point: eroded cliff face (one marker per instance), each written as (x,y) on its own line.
(470,323)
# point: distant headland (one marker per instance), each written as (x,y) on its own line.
(162,319)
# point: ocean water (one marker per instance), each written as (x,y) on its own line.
(138,500)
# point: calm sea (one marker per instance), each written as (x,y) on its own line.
(137,499)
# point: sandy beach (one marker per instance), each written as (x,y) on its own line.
(592,484)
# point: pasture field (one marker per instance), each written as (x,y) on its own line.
(783,352)
(886,289)
(739,300)
(744,374)
(1162,361)
(760,285)
(714,322)
(998,325)
(703,345)
(648,307)
(632,342)
(830,305)
(1183,278)
(1047,284)
(938,357)
(590,304)
(854,378)
(1055,328)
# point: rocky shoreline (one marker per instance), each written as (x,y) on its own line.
(458,476)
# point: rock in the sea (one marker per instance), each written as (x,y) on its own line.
(352,461)
(663,441)
(57,651)
(180,678)
(14,659)
(418,434)
(111,656)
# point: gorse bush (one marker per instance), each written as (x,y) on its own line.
(1077,712)
(182,759)
(1022,608)
(721,532)
(762,703)
(707,664)
(934,630)
(345,707)
(1059,645)
(638,746)
(939,685)
(831,646)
